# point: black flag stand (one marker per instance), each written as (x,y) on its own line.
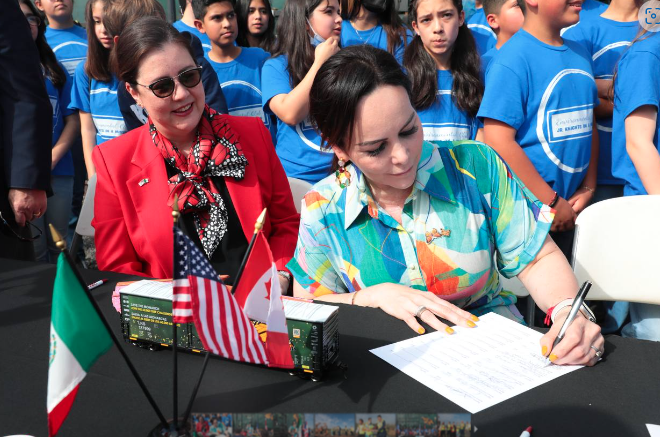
(61,244)
(257,227)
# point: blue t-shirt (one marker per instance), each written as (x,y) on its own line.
(444,121)
(637,84)
(204,38)
(548,95)
(240,80)
(100,100)
(590,9)
(481,31)
(376,37)
(486,58)
(299,146)
(69,46)
(605,40)
(59,99)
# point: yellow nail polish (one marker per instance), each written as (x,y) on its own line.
(421,330)
(449,330)
(471,324)
(553,357)
(475,318)
(544,350)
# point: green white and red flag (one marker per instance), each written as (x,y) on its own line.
(77,339)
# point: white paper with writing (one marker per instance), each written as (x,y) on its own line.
(476,368)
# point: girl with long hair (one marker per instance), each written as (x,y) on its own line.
(444,68)
(636,146)
(94,92)
(309,33)
(256,24)
(65,129)
(374,22)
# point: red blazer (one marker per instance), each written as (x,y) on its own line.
(133,224)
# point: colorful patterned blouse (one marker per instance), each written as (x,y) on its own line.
(465,206)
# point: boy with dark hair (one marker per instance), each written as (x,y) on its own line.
(538,112)
(505,17)
(187,24)
(238,68)
(484,37)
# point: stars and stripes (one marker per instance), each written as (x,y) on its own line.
(202,298)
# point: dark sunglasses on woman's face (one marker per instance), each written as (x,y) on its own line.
(165,87)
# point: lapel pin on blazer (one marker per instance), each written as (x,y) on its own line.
(143,182)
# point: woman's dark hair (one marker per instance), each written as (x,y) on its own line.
(97,63)
(140,38)
(118,14)
(342,81)
(465,65)
(394,27)
(293,38)
(267,38)
(52,68)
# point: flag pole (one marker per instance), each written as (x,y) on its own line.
(61,244)
(257,227)
(175,371)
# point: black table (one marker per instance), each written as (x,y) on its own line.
(615,398)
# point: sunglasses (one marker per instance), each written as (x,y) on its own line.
(20,237)
(33,20)
(165,87)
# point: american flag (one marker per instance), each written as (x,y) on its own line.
(201,297)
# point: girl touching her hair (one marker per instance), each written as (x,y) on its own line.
(65,129)
(443,65)
(94,92)
(309,33)
(374,22)
(256,24)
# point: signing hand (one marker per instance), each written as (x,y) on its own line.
(575,348)
(403,302)
(27,204)
(564,216)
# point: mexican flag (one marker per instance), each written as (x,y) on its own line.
(77,339)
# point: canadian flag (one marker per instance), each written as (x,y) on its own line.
(260,296)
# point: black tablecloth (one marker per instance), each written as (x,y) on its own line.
(615,398)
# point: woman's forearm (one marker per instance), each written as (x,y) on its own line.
(549,278)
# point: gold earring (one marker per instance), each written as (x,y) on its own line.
(342,176)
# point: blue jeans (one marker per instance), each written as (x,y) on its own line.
(644,322)
(57,214)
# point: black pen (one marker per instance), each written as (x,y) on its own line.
(577,303)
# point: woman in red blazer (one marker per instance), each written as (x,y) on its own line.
(223,169)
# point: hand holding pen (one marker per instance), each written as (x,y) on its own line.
(573,339)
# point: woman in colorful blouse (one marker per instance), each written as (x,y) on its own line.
(416,229)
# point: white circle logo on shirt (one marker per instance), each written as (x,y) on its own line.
(649,16)
(563,124)
(305,125)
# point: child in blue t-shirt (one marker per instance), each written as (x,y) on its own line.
(238,68)
(287,79)
(94,92)
(65,128)
(256,24)
(636,146)
(538,112)
(606,37)
(187,24)
(481,31)
(590,9)
(445,79)
(374,23)
(505,17)
(68,40)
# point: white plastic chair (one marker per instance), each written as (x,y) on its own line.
(617,245)
(298,190)
(84,225)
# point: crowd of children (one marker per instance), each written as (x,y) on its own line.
(566,91)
